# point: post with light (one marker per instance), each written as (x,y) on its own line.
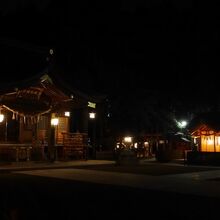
(92,117)
(1,117)
(53,150)
(4,118)
(182,125)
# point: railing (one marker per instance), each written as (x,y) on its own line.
(73,146)
(15,151)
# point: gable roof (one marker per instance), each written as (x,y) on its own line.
(40,94)
(33,97)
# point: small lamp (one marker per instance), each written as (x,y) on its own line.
(54,121)
(2,118)
(92,115)
(67,114)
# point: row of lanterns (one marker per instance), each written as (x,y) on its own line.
(35,119)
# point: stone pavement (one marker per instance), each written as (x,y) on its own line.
(204,183)
(12,166)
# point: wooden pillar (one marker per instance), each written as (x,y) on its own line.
(84,120)
(51,140)
(214,144)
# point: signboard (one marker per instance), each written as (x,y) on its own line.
(91,104)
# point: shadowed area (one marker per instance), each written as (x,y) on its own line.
(28,197)
(147,169)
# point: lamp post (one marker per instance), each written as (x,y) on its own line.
(92,117)
(2,118)
(53,150)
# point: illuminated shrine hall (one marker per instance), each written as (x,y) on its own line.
(43,118)
(205,131)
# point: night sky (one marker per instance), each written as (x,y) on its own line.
(170,47)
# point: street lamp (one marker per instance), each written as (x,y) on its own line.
(182,124)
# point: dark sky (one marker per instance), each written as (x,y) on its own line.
(171,46)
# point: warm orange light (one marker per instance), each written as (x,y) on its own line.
(207,143)
(146,143)
(2,118)
(128,139)
(54,121)
(210,142)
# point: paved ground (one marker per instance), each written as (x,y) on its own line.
(28,197)
(101,189)
(12,166)
(170,177)
(152,169)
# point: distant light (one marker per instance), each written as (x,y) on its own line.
(67,114)
(51,52)
(2,117)
(182,124)
(161,141)
(135,145)
(92,115)
(54,121)
(146,143)
(128,139)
